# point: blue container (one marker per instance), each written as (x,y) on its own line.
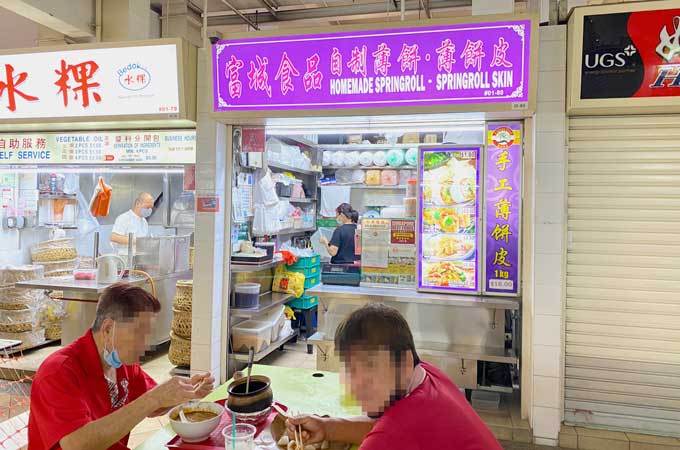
(304,302)
(305,262)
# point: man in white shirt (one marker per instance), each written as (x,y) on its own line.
(132,221)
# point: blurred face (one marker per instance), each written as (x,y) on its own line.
(372,379)
(130,338)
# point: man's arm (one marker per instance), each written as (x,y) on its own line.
(108,430)
(316,429)
(119,239)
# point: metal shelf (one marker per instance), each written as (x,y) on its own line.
(235,267)
(296,230)
(371,167)
(243,357)
(298,200)
(296,140)
(366,147)
(472,352)
(267,301)
(48,195)
(273,165)
(364,186)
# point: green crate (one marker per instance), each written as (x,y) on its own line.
(310,282)
(304,302)
(313,271)
(326,223)
(305,262)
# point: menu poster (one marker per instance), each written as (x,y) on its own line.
(448,254)
(401,255)
(503,208)
(375,236)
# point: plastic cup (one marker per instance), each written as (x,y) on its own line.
(239,437)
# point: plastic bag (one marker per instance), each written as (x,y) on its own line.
(268,189)
(366,159)
(379,158)
(411,156)
(317,246)
(101,199)
(395,157)
(288,282)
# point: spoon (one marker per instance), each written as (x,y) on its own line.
(251,356)
(182,417)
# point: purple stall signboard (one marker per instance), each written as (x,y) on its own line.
(503,208)
(448,242)
(438,65)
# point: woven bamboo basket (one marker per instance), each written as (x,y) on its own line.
(180,350)
(53,332)
(181,323)
(18,327)
(183,295)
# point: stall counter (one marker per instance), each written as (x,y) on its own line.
(82,297)
(298,389)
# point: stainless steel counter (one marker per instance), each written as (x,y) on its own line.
(81,298)
(401,295)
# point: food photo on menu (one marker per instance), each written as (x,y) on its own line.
(448,218)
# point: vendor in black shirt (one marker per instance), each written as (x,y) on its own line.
(341,246)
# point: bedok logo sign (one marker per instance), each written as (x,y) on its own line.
(668,75)
(609,60)
(134,77)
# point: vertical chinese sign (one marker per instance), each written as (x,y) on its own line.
(503,208)
(448,242)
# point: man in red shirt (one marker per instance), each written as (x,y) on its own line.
(92,393)
(410,404)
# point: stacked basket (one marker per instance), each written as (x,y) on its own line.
(19,307)
(180,336)
(57,256)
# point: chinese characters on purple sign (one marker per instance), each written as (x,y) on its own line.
(503,207)
(453,64)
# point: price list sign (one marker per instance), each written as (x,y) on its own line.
(503,208)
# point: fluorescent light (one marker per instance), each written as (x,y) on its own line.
(57,169)
(291,131)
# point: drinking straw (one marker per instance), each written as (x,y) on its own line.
(233,431)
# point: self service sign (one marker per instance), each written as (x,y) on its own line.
(451,64)
(632,54)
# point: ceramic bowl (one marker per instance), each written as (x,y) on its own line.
(196,431)
(258,398)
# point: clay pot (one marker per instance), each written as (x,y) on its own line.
(259,397)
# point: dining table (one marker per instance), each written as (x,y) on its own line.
(302,391)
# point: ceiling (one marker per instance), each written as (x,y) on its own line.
(229,16)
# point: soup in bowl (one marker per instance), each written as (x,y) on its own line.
(202,419)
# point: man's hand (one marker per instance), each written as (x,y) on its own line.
(313,428)
(177,391)
(203,384)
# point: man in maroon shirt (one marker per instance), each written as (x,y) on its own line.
(409,404)
(92,393)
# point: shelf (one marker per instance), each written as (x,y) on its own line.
(366,147)
(58,196)
(471,352)
(236,267)
(296,140)
(273,165)
(296,230)
(404,167)
(298,200)
(243,357)
(267,301)
(363,186)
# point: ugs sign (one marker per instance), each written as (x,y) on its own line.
(608,60)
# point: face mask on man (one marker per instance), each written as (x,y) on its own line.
(111,357)
(146,212)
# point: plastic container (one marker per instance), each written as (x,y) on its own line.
(307,271)
(411,187)
(389,177)
(85,274)
(305,262)
(372,178)
(310,282)
(247,295)
(251,333)
(277,319)
(304,302)
(410,206)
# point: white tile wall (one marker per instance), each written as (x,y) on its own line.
(546,424)
(550,204)
(545,361)
(547,391)
(550,296)
(547,330)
